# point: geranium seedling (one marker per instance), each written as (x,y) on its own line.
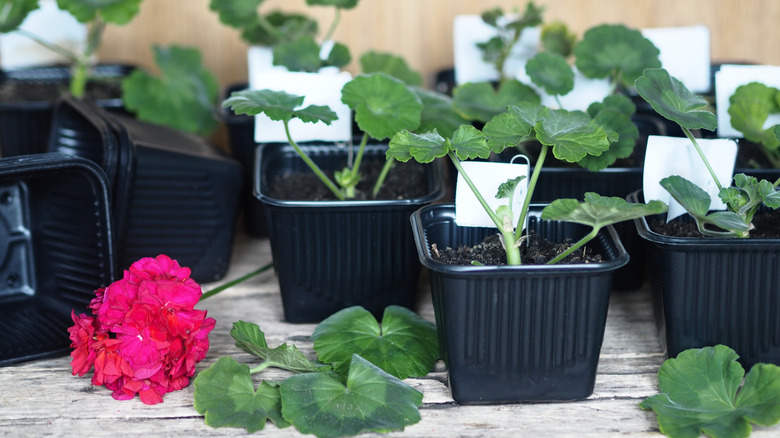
(749,108)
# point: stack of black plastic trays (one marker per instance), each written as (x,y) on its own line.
(56,248)
(172,193)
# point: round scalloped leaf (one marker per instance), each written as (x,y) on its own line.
(424,148)
(277,105)
(437,113)
(615,50)
(614,123)
(481,102)
(671,99)
(599,211)
(557,38)
(236,13)
(301,54)
(469,142)
(342,4)
(286,27)
(13,13)
(392,65)
(371,401)
(749,108)
(692,197)
(182,96)
(507,130)
(383,105)
(551,72)
(405,345)
(112,11)
(338,56)
(225,394)
(572,134)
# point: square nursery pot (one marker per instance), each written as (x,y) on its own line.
(172,192)
(709,291)
(517,333)
(25,125)
(330,255)
(56,248)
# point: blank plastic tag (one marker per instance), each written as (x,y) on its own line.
(487,176)
(667,156)
(728,78)
(685,54)
(49,23)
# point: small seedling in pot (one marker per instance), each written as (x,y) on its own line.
(671,99)
(749,108)
(572,135)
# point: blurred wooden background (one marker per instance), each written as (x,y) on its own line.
(421,30)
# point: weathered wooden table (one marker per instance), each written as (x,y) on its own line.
(42,398)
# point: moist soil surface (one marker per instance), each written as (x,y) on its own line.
(405,181)
(767,226)
(22,91)
(535,251)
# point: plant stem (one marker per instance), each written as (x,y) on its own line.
(78,83)
(382,176)
(701,154)
(232,283)
(62,51)
(530,192)
(259,368)
(359,158)
(333,25)
(312,165)
(587,238)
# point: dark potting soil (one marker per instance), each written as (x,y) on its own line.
(404,181)
(767,226)
(23,91)
(536,251)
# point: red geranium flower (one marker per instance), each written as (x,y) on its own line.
(144,336)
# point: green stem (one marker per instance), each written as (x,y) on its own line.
(558,101)
(312,165)
(382,176)
(259,368)
(62,51)
(704,158)
(333,25)
(230,284)
(474,190)
(78,83)
(530,192)
(776,183)
(359,158)
(587,238)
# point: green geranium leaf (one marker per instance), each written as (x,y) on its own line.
(424,148)
(616,124)
(671,99)
(283,27)
(556,38)
(507,130)
(749,107)
(225,394)
(13,13)
(382,104)
(277,105)
(700,393)
(481,102)
(391,65)
(183,96)
(437,113)
(371,401)
(613,50)
(506,190)
(342,4)
(728,220)
(491,16)
(599,211)
(572,134)
(339,56)
(551,72)
(111,11)
(405,345)
(251,339)
(301,54)
(469,142)
(236,13)
(692,198)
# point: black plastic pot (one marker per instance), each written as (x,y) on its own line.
(710,291)
(172,192)
(517,333)
(56,248)
(330,255)
(25,126)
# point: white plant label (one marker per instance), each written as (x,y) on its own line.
(685,54)
(668,156)
(728,79)
(321,88)
(468,30)
(49,23)
(487,176)
(585,92)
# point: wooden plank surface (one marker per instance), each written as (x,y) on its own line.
(42,398)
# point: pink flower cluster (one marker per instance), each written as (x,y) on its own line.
(144,337)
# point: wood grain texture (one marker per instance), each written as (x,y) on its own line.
(421,30)
(42,398)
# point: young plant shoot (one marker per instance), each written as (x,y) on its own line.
(382,105)
(497,50)
(671,99)
(749,109)
(571,135)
